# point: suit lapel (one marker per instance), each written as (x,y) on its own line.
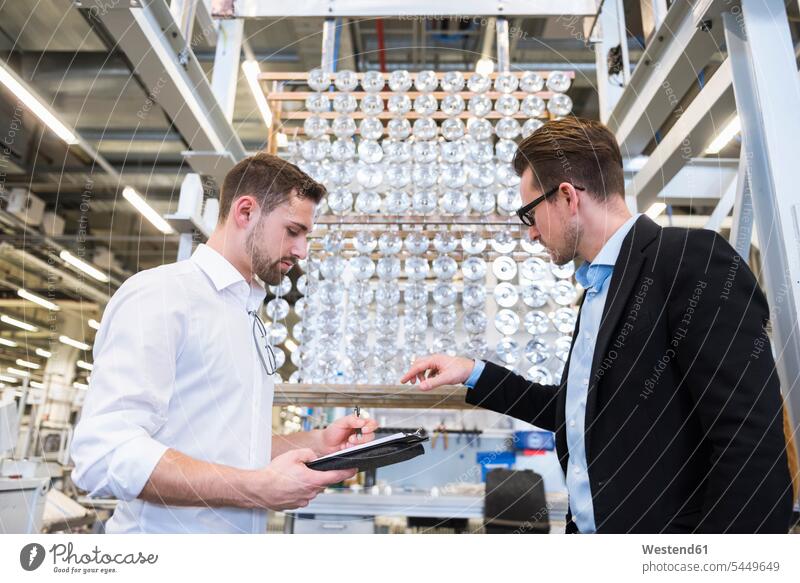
(623,281)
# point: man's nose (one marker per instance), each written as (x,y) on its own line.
(300,249)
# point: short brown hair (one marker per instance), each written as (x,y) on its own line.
(574,150)
(271,180)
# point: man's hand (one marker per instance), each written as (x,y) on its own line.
(287,482)
(342,434)
(437,370)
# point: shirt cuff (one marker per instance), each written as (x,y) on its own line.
(131,465)
(476,374)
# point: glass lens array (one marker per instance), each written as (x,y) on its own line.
(430,144)
(419,145)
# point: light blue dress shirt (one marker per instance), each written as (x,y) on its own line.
(594,277)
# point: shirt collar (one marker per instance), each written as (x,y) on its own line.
(223,275)
(610,251)
(592,275)
(220,271)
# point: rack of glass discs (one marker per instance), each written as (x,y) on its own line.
(417,248)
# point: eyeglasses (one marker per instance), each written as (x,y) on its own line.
(525,213)
(263,348)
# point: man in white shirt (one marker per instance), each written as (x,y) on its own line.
(177,420)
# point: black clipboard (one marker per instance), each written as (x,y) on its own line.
(381,452)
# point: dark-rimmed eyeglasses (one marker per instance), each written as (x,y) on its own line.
(265,352)
(525,213)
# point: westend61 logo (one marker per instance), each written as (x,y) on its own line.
(65,560)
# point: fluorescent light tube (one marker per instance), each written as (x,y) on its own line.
(39,109)
(28,364)
(10,343)
(84,365)
(146,210)
(251,72)
(74,343)
(43,353)
(726,135)
(94,324)
(18,372)
(25,294)
(18,323)
(83,266)
(655,209)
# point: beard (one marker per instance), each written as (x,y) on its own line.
(264,266)
(568,250)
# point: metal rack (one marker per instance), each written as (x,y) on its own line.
(387,396)
(277,87)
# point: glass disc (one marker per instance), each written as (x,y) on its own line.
(506,295)
(507,322)
(504,268)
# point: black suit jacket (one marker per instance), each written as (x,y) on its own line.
(684,412)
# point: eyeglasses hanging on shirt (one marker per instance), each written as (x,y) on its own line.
(263,348)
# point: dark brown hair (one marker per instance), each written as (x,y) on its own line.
(271,180)
(575,150)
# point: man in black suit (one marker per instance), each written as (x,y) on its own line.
(668,417)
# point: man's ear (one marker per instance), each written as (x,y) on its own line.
(244,210)
(570,195)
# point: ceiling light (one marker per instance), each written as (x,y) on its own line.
(39,109)
(18,372)
(28,364)
(25,294)
(7,379)
(726,135)
(36,384)
(290,344)
(484,66)
(655,209)
(146,210)
(83,266)
(74,343)
(283,140)
(43,353)
(82,364)
(94,324)
(10,343)
(251,72)
(18,323)
(81,386)
(636,163)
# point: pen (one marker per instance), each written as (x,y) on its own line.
(358,414)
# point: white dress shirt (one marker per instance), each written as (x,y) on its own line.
(175,366)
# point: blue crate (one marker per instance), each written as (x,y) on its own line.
(490,460)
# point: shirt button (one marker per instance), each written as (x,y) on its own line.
(572,423)
(577,471)
(586,380)
(587,336)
